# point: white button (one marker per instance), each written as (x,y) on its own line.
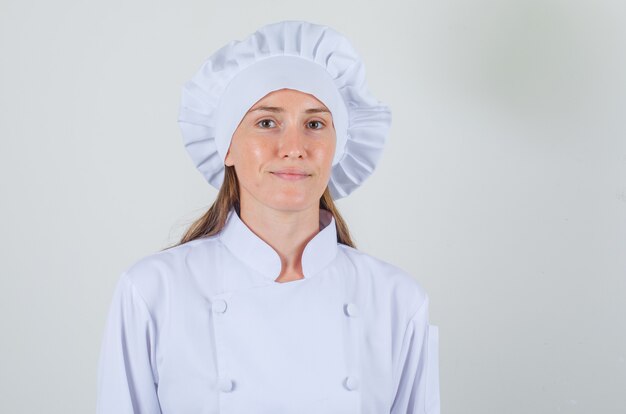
(351,309)
(351,383)
(226,385)
(219,306)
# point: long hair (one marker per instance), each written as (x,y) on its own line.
(214,219)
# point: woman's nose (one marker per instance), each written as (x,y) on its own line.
(292,143)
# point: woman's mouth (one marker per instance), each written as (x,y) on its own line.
(291,175)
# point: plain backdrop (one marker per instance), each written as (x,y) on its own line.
(502,188)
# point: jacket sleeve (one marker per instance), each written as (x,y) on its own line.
(127,378)
(416,367)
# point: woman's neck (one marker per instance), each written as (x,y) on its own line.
(287,232)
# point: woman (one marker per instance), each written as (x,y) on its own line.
(266,306)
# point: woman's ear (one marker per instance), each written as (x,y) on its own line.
(228,159)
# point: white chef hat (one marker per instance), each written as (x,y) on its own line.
(297,55)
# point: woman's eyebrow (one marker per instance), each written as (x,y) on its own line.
(278,109)
(316,110)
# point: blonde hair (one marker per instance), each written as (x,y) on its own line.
(214,219)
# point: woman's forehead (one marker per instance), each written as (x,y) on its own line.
(286,96)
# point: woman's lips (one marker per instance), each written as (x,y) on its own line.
(291,175)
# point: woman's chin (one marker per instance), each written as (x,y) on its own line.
(283,198)
(289,201)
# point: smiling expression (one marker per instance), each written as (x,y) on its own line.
(282,151)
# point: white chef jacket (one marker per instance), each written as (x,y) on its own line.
(204,328)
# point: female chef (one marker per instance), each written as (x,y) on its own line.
(266,306)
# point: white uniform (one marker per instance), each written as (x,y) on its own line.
(204,328)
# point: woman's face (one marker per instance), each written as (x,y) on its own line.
(282,151)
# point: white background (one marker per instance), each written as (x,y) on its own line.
(502,188)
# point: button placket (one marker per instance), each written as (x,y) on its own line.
(351,311)
(219,309)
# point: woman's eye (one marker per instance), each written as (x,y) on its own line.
(265,123)
(315,124)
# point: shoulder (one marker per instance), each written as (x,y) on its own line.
(387,279)
(144,269)
(152,276)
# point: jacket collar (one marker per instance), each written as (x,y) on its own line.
(246,246)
